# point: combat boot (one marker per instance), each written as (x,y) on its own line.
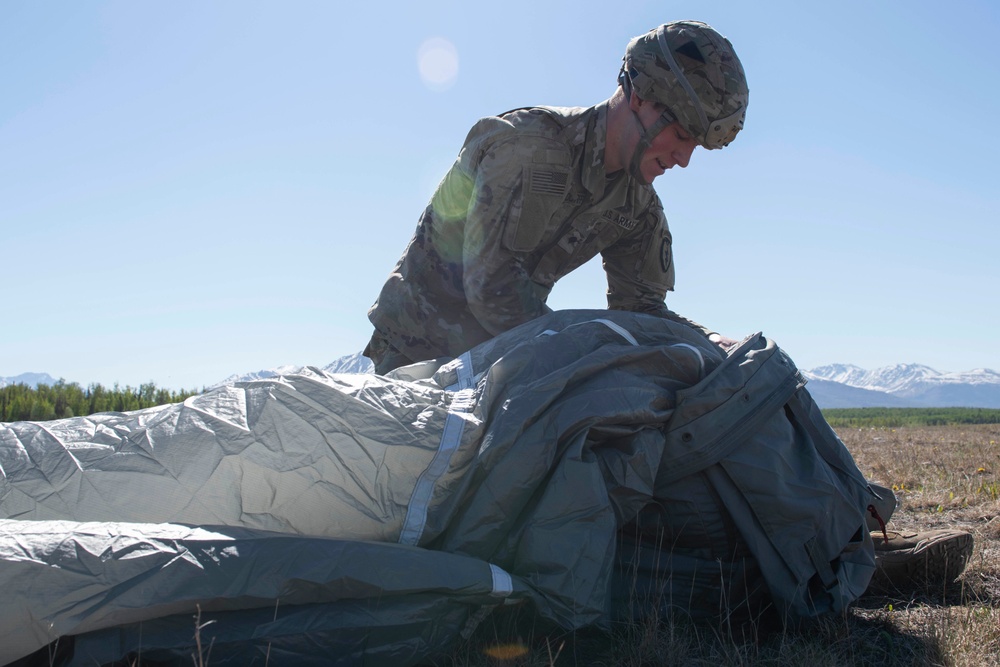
(911,561)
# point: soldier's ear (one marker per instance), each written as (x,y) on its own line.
(637,103)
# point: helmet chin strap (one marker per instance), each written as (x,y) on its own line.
(646,134)
(645,139)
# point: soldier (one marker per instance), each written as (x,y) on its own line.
(537,192)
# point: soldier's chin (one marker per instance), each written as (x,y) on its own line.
(647,175)
(642,178)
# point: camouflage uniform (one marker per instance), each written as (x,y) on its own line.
(527,201)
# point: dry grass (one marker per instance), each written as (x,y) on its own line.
(945,476)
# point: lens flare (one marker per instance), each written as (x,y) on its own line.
(437,61)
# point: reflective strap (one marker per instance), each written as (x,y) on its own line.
(451,437)
(697,352)
(617,328)
(463,369)
(503,585)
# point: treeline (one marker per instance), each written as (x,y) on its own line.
(896,417)
(20,402)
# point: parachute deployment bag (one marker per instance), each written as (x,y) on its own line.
(754,485)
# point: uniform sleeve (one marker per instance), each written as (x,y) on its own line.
(503,225)
(640,269)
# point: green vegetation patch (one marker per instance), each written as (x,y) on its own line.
(896,417)
(20,402)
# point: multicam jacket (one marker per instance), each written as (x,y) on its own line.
(526,202)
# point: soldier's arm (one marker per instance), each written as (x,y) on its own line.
(501,229)
(640,271)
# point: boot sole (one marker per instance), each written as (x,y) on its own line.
(930,565)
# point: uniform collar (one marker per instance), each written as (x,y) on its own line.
(594,171)
(594,174)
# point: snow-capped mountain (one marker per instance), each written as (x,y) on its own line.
(351,363)
(888,379)
(911,385)
(266,374)
(30,379)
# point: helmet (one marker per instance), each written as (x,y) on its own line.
(694,72)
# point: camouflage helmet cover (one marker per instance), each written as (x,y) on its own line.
(693,71)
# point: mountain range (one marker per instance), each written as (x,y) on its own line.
(30,379)
(832,386)
(351,363)
(902,385)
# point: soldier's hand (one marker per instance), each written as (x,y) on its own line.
(724,342)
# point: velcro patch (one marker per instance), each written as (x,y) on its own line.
(621,220)
(548,182)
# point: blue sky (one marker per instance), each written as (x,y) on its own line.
(194,189)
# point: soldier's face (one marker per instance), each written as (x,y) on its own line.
(672,147)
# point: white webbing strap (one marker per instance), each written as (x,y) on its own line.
(451,437)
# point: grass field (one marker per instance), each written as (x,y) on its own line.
(945,477)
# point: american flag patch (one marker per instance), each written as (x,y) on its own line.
(548,182)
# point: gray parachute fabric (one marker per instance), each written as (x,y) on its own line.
(349,519)
(268,594)
(765,449)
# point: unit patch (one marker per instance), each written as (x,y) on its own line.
(665,255)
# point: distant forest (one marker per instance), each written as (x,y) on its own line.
(20,402)
(897,417)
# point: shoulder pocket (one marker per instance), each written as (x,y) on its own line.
(543,190)
(658,261)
